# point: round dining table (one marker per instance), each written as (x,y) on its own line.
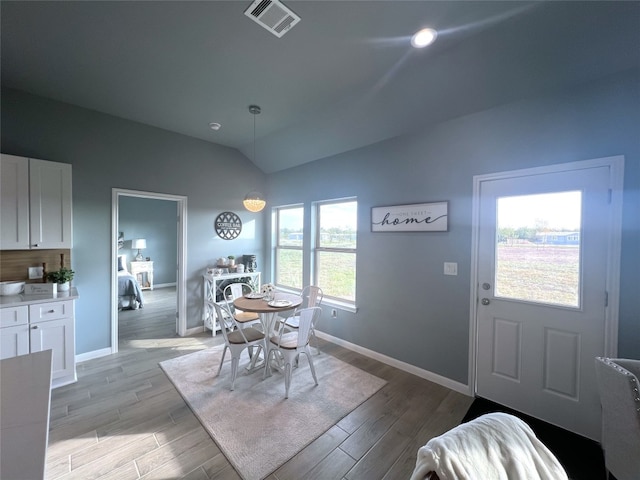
(257,304)
(266,309)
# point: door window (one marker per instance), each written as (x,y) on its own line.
(538,248)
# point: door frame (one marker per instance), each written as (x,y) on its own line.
(181,287)
(616,165)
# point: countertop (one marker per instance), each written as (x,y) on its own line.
(25,398)
(17,300)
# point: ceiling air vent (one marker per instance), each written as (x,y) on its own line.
(272,15)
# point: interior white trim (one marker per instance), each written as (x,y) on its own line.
(406,367)
(83,357)
(616,166)
(181,288)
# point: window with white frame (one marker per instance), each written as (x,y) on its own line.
(289,240)
(334,251)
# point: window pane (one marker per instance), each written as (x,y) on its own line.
(538,248)
(289,268)
(338,225)
(290,225)
(337,274)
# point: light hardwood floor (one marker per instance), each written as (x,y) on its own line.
(123,419)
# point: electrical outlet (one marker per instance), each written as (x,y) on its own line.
(450,268)
(35,272)
(334,313)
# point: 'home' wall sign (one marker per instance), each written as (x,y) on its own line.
(419,217)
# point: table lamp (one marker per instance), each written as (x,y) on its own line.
(140,244)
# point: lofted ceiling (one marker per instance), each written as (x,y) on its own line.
(344,77)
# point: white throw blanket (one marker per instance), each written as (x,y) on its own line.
(496,446)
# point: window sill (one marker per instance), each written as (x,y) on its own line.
(348,307)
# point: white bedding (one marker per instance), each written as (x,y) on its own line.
(129,291)
(494,446)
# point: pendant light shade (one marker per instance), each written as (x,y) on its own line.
(254,201)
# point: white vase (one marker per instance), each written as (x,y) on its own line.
(63,287)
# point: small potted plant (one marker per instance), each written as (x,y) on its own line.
(62,277)
(232,260)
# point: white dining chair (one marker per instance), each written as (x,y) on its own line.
(236,290)
(289,345)
(237,339)
(311,297)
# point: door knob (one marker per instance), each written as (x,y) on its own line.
(485,301)
(486,286)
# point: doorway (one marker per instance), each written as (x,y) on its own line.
(181,207)
(546,249)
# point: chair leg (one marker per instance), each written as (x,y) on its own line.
(313,369)
(315,340)
(253,358)
(224,352)
(287,378)
(234,370)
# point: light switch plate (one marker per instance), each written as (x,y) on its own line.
(450,268)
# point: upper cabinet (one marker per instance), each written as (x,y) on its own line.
(36,204)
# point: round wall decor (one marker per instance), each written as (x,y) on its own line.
(228,225)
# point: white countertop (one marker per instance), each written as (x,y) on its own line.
(17,300)
(25,398)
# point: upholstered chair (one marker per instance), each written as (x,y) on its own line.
(620,399)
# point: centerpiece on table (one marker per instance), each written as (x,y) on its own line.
(268,290)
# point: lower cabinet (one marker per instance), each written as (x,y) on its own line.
(14,332)
(14,341)
(49,326)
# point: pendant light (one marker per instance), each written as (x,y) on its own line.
(254,201)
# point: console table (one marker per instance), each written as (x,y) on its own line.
(213,292)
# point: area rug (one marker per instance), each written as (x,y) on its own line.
(256,428)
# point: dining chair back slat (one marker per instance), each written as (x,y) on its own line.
(237,290)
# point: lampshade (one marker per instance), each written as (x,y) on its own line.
(254,202)
(139,243)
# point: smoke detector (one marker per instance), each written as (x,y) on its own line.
(272,15)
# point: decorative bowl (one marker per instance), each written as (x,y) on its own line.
(11,288)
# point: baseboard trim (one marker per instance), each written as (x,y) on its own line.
(195,330)
(103,352)
(406,367)
(163,285)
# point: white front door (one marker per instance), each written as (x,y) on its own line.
(543,253)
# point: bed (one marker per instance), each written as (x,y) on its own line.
(129,292)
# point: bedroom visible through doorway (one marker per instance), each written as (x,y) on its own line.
(148,288)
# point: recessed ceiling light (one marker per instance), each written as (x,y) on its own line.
(214,126)
(424,37)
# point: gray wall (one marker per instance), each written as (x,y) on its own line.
(438,163)
(408,309)
(107,152)
(156,222)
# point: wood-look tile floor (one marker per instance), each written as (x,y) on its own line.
(123,419)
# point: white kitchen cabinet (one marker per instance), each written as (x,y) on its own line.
(36,204)
(52,328)
(42,325)
(14,332)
